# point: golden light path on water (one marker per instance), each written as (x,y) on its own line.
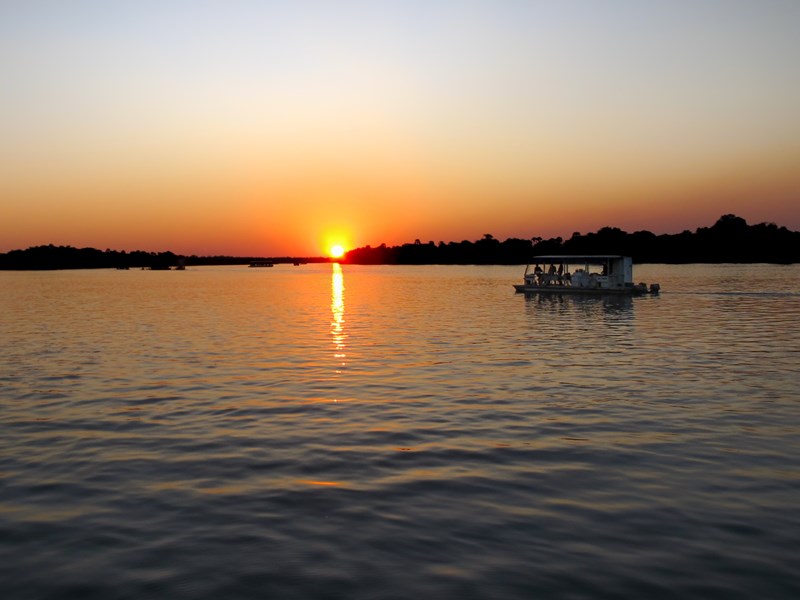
(337,311)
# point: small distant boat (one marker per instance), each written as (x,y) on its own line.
(261,263)
(582,274)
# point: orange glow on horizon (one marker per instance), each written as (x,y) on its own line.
(203,158)
(321,483)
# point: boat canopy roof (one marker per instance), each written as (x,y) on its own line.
(577,258)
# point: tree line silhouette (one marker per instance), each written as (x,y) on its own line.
(67,257)
(52,257)
(730,239)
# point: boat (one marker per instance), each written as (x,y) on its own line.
(261,263)
(593,274)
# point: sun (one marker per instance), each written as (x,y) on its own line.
(336,251)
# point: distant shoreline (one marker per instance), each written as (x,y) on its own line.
(729,240)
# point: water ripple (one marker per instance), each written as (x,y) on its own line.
(384,432)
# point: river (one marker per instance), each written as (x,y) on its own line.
(364,432)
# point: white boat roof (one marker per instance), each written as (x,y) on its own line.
(576,258)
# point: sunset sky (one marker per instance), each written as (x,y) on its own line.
(268,128)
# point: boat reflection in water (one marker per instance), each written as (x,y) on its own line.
(577,319)
(337,312)
(607,303)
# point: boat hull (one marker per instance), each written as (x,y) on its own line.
(584,291)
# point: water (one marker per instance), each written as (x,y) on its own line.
(398,432)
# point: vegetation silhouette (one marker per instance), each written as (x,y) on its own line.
(730,239)
(67,257)
(52,257)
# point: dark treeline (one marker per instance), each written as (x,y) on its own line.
(730,239)
(67,257)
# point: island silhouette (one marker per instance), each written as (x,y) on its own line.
(729,240)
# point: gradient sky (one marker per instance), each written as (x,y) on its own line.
(267,128)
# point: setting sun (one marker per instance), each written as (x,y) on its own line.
(336,251)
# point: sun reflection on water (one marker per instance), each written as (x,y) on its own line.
(337,311)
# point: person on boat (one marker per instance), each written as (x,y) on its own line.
(550,279)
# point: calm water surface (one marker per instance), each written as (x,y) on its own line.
(398,432)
